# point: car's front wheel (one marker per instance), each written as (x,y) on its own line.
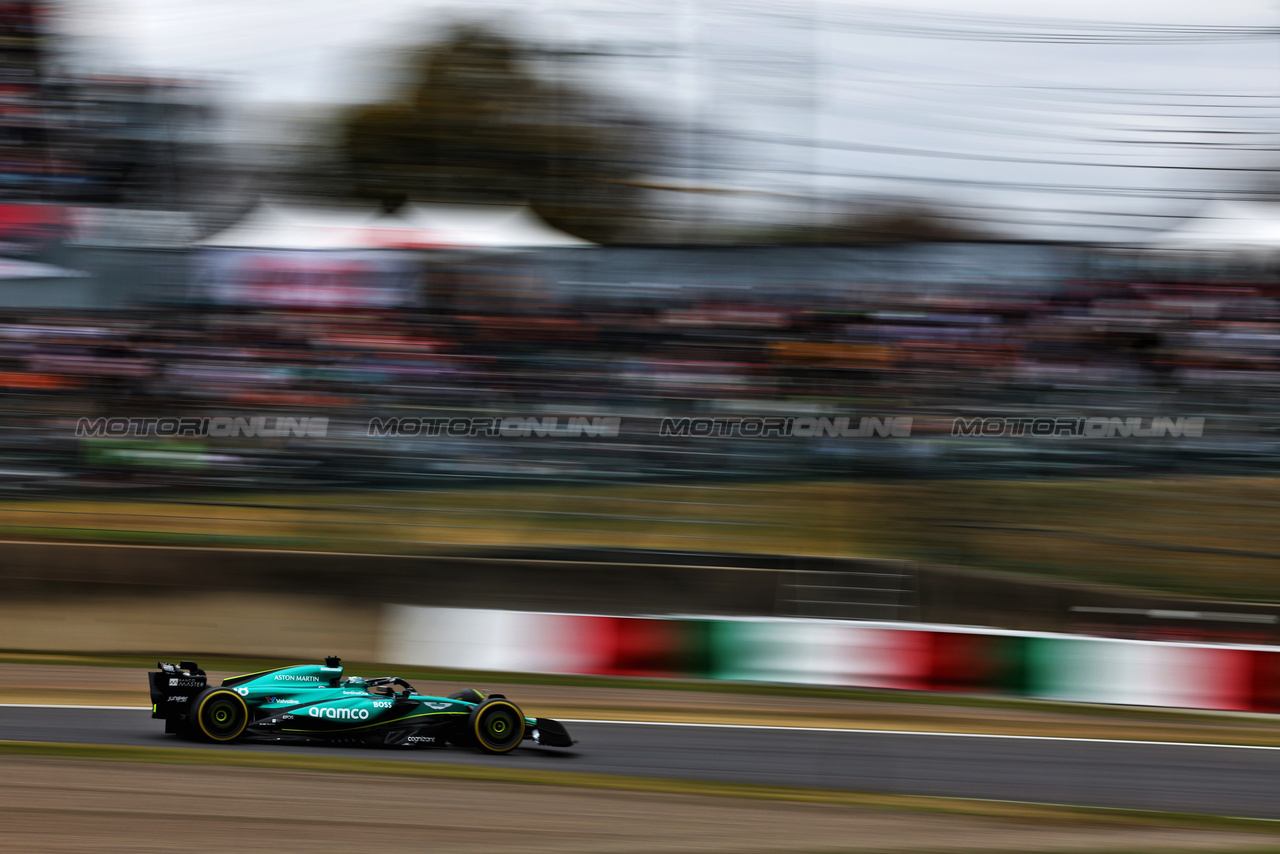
(220,715)
(498,726)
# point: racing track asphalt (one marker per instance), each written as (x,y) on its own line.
(1135,775)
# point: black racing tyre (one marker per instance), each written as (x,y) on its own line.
(498,726)
(219,714)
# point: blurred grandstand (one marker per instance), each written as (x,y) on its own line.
(131,292)
(503,337)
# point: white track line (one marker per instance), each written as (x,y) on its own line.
(934,734)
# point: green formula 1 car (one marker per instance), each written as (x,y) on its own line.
(311,703)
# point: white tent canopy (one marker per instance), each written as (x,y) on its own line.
(415,226)
(277,226)
(492,226)
(1239,227)
(14,268)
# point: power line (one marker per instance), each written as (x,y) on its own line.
(1185,194)
(921,24)
(959,155)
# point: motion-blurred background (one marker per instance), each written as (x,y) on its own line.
(644,211)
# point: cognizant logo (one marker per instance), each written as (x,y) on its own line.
(339,714)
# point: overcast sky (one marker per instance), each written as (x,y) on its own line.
(1047,119)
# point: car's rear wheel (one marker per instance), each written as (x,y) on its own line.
(498,726)
(220,715)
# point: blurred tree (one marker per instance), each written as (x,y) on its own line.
(476,122)
(905,221)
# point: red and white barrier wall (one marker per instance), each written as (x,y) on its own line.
(926,658)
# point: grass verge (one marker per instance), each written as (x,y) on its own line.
(1205,536)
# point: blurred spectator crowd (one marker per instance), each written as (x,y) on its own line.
(93,139)
(96,140)
(1086,349)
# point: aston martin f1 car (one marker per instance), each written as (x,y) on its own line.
(310,703)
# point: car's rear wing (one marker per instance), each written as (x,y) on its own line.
(173,687)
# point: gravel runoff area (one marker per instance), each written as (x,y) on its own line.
(60,684)
(75,806)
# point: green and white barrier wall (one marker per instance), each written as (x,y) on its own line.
(818,652)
